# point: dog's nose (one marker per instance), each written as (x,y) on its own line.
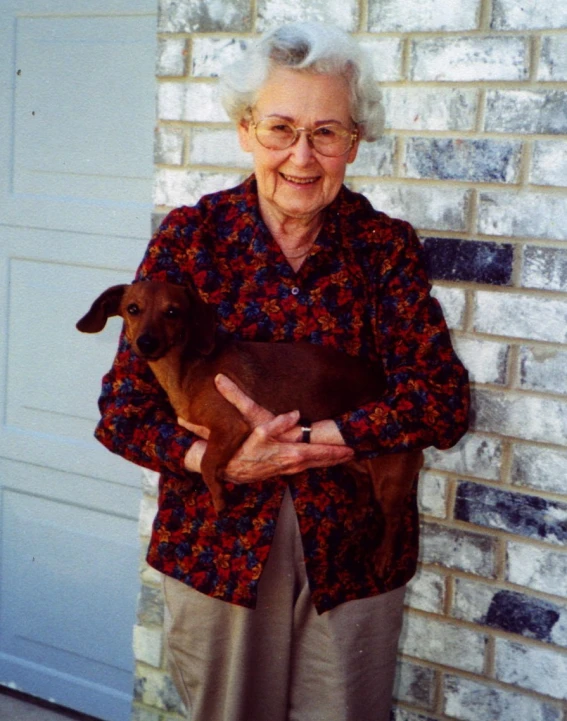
(147,344)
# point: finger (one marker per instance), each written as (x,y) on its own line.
(326,461)
(253,413)
(200,431)
(234,395)
(279,425)
(336,455)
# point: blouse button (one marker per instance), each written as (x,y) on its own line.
(295,290)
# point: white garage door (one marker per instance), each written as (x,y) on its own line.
(76,123)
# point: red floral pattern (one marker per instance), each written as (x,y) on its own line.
(363,289)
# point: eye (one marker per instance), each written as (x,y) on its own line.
(172,312)
(133,309)
(279,128)
(327,132)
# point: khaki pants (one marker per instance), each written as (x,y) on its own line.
(283,662)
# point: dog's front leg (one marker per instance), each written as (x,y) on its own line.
(222,444)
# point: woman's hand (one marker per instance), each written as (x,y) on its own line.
(273,447)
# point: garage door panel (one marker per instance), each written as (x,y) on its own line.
(51,372)
(54,545)
(51,388)
(76,132)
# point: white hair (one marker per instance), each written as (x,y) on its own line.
(308,47)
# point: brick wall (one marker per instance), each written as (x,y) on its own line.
(475,156)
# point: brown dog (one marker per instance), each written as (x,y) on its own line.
(174,330)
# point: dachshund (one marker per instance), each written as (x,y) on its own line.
(174,330)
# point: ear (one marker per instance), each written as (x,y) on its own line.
(244,135)
(202,323)
(105,306)
(353,151)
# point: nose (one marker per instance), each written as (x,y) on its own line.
(147,344)
(302,149)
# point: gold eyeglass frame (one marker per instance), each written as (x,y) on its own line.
(354,135)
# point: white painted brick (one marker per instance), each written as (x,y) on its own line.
(549,163)
(473,455)
(526,111)
(180,187)
(430,109)
(540,468)
(528,14)
(150,576)
(148,509)
(172,57)
(155,688)
(454,548)
(543,369)
(145,714)
(426,592)
(443,643)
(422,15)
(148,645)
(537,568)
(415,684)
(486,361)
(544,268)
(218,147)
(402,714)
(553,61)
(170,100)
(469,59)
(471,601)
(374,159)
(521,416)
(522,214)
(471,160)
(453,302)
(423,206)
(211,55)
(150,482)
(150,606)
(533,668)
(193,102)
(468,700)
(275,12)
(169,145)
(521,316)
(386,57)
(432,494)
(180,16)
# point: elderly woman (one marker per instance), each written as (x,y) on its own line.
(276,610)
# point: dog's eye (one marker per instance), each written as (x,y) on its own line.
(133,309)
(172,312)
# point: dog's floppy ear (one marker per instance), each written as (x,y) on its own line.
(203,323)
(105,306)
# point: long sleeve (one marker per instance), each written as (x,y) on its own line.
(427,397)
(137,421)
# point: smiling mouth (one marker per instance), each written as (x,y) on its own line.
(299,181)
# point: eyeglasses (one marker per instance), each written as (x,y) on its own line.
(331,140)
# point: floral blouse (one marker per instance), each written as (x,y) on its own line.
(362,289)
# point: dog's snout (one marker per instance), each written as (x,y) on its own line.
(147,344)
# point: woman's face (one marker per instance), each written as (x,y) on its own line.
(298,182)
